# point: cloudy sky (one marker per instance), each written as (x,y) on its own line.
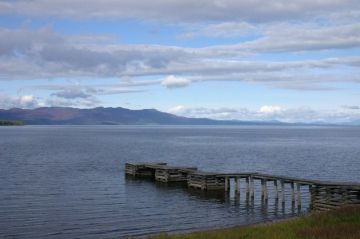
(294,61)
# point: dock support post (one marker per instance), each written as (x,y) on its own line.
(276,190)
(252,188)
(292,192)
(263,189)
(247,185)
(282,191)
(298,194)
(237,185)
(312,196)
(227,184)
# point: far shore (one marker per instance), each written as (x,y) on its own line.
(11,123)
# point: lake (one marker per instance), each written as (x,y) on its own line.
(69,182)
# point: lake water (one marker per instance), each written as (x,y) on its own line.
(69,182)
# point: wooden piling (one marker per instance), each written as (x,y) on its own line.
(264,193)
(292,192)
(276,189)
(237,186)
(252,196)
(282,191)
(323,195)
(227,184)
(298,192)
(247,185)
(266,190)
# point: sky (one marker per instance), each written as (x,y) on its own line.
(292,61)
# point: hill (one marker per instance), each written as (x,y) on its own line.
(107,116)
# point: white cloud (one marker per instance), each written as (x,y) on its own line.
(45,54)
(203,112)
(22,101)
(71,94)
(35,53)
(179,109)
(351,107)
(30,101)
(269,113)
(54,101)
(175,82)
(225,29)
(27,101)
(185,10)
(295,37)
(270,109)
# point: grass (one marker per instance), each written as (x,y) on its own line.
(343,223)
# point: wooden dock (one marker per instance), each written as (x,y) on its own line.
(205,181)
(142,169)
(173,174)
(323,195)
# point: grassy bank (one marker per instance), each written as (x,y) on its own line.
(343,223)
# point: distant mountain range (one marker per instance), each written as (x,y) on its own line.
(109,116)
(117,116)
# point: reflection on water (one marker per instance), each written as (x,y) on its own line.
(240,208)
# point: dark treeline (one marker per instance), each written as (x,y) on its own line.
(11,123)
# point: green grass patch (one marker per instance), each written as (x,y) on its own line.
(343,223)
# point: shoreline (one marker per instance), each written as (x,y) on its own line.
(225,227)
(340,223)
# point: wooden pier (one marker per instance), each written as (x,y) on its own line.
(173,174)
(205,181)
(142,169)
(329,195)
(323,195)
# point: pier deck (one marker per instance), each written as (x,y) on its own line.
(324,195)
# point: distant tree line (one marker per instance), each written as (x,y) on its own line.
(11,123)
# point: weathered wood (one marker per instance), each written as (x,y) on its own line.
(298,192)
(266,190)
(247,185)
(292,192)
(252,190)
(329,196)
(142,169)
(282,183)
(227,184)
(323,195)
(205,181)
(276,189)
(264,193)
(237,185)
(173,174)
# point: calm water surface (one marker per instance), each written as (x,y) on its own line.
(69,182)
